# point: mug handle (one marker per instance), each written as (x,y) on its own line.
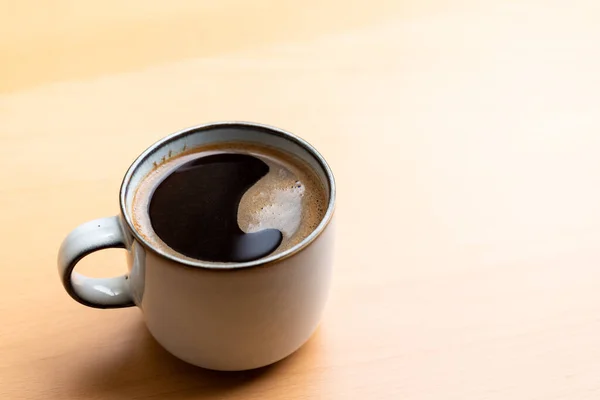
(103,233)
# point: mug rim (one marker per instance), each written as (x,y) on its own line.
(271,130)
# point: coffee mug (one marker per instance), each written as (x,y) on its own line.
(232,316)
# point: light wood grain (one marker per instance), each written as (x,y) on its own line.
(465,137)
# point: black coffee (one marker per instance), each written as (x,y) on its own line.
(229,202)
(194,210)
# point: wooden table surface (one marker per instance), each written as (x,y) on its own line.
(465,137)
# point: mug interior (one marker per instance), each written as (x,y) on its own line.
(223,132)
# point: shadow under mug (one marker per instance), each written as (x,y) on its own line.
(232,316)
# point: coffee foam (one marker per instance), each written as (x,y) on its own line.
(290,197)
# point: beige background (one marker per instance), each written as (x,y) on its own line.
(465,137)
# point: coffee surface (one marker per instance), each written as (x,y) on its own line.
(229,203)
(194,209)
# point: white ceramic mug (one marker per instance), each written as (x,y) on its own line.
(233,317)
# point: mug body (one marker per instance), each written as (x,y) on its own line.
(233,319)
(222,316)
